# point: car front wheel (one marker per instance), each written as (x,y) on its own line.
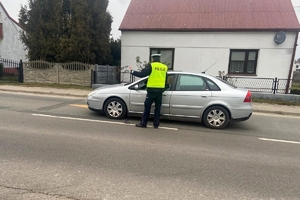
(216,117)
(115,108)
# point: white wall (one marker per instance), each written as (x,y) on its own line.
(198,51)
(11,46)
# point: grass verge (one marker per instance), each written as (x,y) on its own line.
(276,102)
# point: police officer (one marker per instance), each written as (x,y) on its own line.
(156,85)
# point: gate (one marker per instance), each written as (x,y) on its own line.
(11,71)
(105,74)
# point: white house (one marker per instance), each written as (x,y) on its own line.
(242,38)
(11,46)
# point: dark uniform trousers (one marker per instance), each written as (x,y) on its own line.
(155,97)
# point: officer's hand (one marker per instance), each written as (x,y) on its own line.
(130,68)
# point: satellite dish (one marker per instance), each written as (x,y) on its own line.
(280,37)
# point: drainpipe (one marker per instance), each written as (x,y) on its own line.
(292,64)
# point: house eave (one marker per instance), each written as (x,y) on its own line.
(213,30)
(10,16)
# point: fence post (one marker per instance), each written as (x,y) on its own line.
(274,87)
(119,73)
(21,72)
(92,77)
(1,70)
(57,65)
(130,77)
(107,76)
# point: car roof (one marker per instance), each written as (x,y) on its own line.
(191,73)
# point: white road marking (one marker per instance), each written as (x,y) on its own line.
(99,121)
(283,141)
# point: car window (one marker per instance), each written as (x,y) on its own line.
(212,85)
(190,83)
(142,85)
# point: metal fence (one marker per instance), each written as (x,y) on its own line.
(268,85)
(11,70)
(271,85)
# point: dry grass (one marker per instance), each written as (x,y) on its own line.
(277,102)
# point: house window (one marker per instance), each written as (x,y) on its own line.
(243,62)
(167,56)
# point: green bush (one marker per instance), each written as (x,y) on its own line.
(295,88)
(295,91)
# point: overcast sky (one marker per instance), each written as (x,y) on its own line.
(117,9)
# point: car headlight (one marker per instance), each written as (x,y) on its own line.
(92,93)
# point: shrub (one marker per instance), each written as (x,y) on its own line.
(295,91)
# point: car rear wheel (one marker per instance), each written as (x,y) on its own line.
(216,117)
(115,108)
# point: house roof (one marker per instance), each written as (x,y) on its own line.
(9,15)
(209,15)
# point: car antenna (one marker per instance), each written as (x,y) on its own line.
(209,68)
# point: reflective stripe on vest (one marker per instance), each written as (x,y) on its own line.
(157,78)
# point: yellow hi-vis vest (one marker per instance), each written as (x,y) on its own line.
(157,78)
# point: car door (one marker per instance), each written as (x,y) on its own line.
(166,96)
(191,94)
(138,94)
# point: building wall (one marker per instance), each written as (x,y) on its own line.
(198,51)
(11,46)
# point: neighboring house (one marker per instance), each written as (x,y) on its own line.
(11,46)
(256,38)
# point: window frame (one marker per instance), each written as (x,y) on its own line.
(246,59)
(159,52)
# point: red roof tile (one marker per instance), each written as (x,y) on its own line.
(201,15)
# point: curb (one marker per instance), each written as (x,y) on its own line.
(46,93)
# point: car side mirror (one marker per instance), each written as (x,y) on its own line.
(136,87)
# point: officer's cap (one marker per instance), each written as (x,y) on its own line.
(155,55)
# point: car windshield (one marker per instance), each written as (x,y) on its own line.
(226,82)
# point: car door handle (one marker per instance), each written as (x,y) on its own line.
(204,96)
(165,95)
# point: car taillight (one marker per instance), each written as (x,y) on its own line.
(248,97)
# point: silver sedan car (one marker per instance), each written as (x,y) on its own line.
(188,96)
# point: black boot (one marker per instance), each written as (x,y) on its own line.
(141,125)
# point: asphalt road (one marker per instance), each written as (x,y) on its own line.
(54,148)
